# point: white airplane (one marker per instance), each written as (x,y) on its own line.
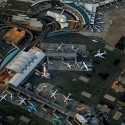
(98,26)
(95,41)
(43,87)
(68,65)
(99,54)
(97,19)
(67,98)
(84,66)
(95,27)
(3,97)
(59,47)
(74,48)
(101,22)
(53,94)
(27,86)
(22,101)
(100,13)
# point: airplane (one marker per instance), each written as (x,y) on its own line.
(74,48)
(22,101)
(100,13)
(95,27)
(93,40)
(59,47)
(68,65)
(53,94)
(27,86)
(3,97)
(101,22)
(44,86)
(97,19)
(84,66)
(11,96)
(67,98)
(99,54)
(98,26)
(32,107)
(57,120)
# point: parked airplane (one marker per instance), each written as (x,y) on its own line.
(99,54)
(53,94)
(101,22)
(44,86)
(68,65)
(84,66)
(67,98)
(22,101)
(97,26)
(59,47)
(99,13)
(3,97)
(57,120)
(93,40)
(28,86)
(32,107)
(97,19)
(74,48)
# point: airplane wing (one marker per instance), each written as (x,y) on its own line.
(60,122)
(69,99)
(102,57)
(85,66)
(35,109)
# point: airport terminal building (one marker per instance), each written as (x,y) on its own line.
(23,65)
